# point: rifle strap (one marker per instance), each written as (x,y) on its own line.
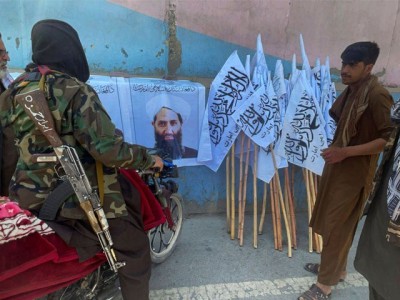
(35,105)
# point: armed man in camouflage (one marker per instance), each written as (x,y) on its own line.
(81,122)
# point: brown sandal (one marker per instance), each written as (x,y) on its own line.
(314,268)
(314,293)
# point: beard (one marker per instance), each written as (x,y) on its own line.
(3,72)
(169,149)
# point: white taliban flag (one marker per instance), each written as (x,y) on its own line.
(306,64)
(229,90)
(266,167)
(316,77)
(258,66)
(328,96)
(256,117)
(303,134)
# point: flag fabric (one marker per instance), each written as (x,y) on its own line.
(258,65)
(247,66)
(265,168)
(306,64)
(285,117)
(303,134)
(256,117)
(281,88)
(205,146)
(316,77)
(229,90)
(293,76)
(328,96)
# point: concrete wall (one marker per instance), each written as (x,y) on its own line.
(191,39)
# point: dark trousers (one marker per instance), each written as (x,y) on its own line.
(373,294)
(131,244)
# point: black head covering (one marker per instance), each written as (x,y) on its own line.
(56,44)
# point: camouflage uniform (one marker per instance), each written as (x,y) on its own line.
(73,105)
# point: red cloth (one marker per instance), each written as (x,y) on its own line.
(152,212)
(56,266)
(34,261)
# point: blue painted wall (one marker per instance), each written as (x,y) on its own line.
(116,39)
(120,40)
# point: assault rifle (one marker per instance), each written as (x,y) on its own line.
(35,105)
(88,200)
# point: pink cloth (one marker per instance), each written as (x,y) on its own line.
(34,261)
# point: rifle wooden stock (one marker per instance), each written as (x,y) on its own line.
(88,209)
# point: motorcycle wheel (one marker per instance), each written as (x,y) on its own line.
(163,240)
(98,285)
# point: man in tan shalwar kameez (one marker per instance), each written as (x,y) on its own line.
(362,114)
(7,164)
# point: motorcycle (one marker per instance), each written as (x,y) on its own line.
(163,233)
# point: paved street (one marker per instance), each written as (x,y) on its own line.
(207,264)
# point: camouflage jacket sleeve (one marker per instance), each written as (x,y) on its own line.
(95,132)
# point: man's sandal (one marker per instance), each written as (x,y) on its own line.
(314,293)
(314,268)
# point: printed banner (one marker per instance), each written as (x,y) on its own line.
(168,116)
(106,89)
(134,104)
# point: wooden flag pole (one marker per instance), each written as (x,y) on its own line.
(246,171)
(286,201)
(277,213)
(255,213)
(274,223)
(310,237)
(228,194)
(291,209)
(313,187)
(288,234)
(293,167)
(240,196)
(264,208)
(316,192)
(233,192)
(312,191)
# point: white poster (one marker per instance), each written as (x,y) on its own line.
(167,116)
